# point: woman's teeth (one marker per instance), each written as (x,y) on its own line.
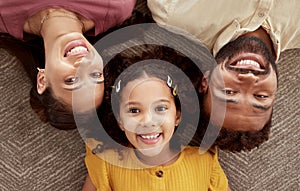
(77,50)
(248,63)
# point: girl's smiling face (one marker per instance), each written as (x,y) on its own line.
(148,115)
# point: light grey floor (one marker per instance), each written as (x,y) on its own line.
(36,156)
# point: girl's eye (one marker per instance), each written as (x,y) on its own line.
(161,108)
(228,92)
(71,80)
(134,110)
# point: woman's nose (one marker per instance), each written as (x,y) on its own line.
(82,62)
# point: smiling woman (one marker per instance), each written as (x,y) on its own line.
(67,62)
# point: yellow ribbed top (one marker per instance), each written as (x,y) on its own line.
(190,172)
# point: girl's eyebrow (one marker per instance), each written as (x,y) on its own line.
(132,103)
(163,100)
(138,103)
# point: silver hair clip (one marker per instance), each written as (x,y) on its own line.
(118,86)
(169,81)
(174,91)
(40,70)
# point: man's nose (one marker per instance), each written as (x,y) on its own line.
(248,78)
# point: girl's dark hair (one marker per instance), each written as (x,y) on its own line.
(31,54)
(151,58)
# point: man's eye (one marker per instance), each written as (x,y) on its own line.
(261,96)
(134,110)
(71,80)
(161,108)
(228,92)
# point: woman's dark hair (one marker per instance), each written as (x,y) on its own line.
(31,54)
(143,56)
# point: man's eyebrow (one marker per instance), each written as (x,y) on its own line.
(230,100)
(262,107)
(224,99)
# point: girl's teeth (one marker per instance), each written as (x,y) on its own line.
(150,136)
(248,63)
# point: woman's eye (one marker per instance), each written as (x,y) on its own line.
(228,92)
(161,108)
(71,80)
(96,75)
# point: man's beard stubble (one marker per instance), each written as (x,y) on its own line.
(234,140)
(247,45)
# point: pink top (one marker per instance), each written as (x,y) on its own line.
(104,13)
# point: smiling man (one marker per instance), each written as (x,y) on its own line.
(246,39)
(248,70)
(245,83)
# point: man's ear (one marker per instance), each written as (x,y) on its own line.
(204,83)
(41,81)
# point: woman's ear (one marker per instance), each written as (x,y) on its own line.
(41,81)
(120,123)
(204,83)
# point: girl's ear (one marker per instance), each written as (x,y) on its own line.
(41,81)
(204,83)
(178,118)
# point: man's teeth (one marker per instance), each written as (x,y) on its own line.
(77,49)
(150,136)
(248,63)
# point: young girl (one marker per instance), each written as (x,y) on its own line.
(149,100)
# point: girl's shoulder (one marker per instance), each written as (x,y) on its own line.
(124,157)
(199,152)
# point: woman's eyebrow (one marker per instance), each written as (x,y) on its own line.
(74,88)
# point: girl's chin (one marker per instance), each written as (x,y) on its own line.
(151,152)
